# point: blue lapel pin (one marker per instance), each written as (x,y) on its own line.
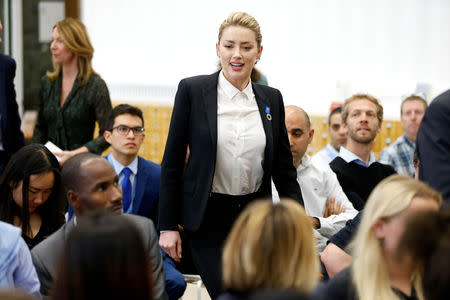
(268,115)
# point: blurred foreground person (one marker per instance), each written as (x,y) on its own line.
(104,258)
(271,247)
(427,239)
(377,271)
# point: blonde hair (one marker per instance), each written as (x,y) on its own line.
(345,107)
(74,35)
(244,20)
(271,246)
(369,270)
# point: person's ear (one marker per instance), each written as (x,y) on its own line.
(379,229)
(74,200)
(311,135)
(107,136)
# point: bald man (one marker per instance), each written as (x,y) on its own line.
(325,201)
(91,183)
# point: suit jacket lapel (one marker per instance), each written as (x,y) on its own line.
(263,104)
(141,181)
(210,101)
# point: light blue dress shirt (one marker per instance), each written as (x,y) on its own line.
(349,156)
(118,168)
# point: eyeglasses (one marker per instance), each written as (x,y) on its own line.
(124,130)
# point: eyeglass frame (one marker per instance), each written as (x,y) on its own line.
(134,129)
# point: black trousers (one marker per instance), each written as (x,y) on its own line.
(206,244)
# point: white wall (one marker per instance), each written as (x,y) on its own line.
(315,51)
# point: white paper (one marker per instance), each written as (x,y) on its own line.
(53,149)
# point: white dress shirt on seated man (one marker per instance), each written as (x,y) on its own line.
(318,184)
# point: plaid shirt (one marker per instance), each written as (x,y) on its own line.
(400,156)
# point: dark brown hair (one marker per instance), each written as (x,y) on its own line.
(104,258)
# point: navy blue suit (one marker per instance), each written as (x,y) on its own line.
(12,136)
(145,202)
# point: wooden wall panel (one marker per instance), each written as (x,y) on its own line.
(157,121)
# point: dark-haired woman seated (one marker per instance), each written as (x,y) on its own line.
(30,190)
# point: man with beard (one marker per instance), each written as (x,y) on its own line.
(356,168)
(319,185)
(91,184)
(400,154)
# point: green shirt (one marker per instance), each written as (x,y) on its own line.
(72,125)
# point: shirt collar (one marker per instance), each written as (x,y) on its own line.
(408,141)
(306,162)
(118,166)
(231,91)
(349,156)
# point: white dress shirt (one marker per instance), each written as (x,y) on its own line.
(318,184)
(241,141)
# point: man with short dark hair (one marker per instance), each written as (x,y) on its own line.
(91,184)
(325,202)
(400,153)
(356,168)
(139,178)
(338,137)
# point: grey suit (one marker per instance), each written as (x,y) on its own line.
(46,254)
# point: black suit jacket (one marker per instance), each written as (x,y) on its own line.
(433,145)
(12,136)
(184,191)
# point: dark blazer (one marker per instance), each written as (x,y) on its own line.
(433,145)
(184,191)
(12,136)
(46,254)
(145,202)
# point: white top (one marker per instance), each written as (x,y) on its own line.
(318,184)
(241,141)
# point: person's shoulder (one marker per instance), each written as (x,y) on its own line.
(96,80)
(200,80)
(138,220)
(7,60)
(338,162)
(52,243)
(9,237)
(441,101)
(387,169)
(148,164)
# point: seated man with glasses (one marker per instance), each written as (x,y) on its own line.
(138,177)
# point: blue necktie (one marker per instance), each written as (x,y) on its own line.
(126,189)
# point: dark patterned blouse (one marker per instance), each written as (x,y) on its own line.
(72,125)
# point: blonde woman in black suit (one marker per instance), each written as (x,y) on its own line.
(237,140)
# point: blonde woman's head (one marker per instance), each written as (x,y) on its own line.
(73,34)
(393,201)
(271,246)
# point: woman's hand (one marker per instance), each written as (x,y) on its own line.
(170,241)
